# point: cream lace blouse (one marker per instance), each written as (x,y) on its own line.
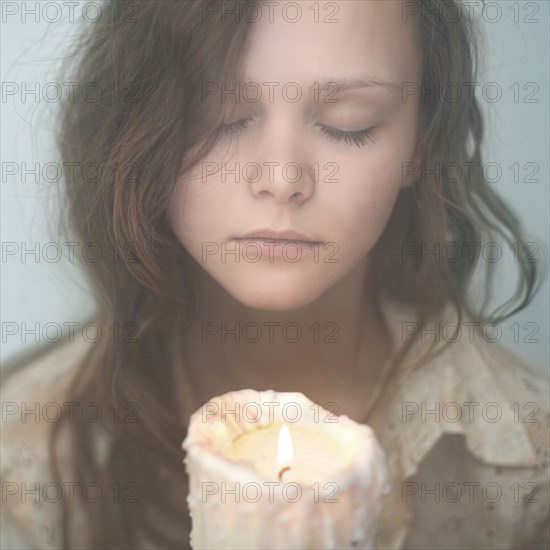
(466,439)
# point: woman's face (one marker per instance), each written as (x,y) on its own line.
(326,165)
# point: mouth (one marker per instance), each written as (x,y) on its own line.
(269,236)
(277,242)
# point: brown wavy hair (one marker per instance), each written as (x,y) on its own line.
(148,127)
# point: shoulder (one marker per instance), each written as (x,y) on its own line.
(44,367)
(33,395)
(484,481)
(513,398)
(481,390)
(474,386)
(467,438)
(33,390)
(516,376)
(459,501)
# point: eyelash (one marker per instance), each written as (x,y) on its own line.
(234,126)
(358,137)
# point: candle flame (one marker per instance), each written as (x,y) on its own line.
(285,449)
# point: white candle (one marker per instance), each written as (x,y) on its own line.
(253,484)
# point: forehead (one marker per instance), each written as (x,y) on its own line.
(335,39)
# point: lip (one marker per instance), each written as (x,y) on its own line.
(272,235)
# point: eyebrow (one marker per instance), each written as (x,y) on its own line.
(358,83)
(347,83)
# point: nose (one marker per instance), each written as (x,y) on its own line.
(285,176)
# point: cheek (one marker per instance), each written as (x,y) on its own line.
(365,197)
(376,181)
(195,206)
(186,207)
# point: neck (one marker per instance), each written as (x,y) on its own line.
(327,350)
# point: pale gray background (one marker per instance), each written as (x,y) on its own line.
(53,292)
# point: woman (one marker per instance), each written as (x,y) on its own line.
(307,134)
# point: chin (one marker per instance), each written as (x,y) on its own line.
(274,297)
(277,288)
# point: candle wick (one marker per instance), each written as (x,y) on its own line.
(283,471)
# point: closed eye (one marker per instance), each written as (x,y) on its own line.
(357,137)
(236,126)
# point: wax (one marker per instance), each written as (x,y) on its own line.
(329,495)
(316,455)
